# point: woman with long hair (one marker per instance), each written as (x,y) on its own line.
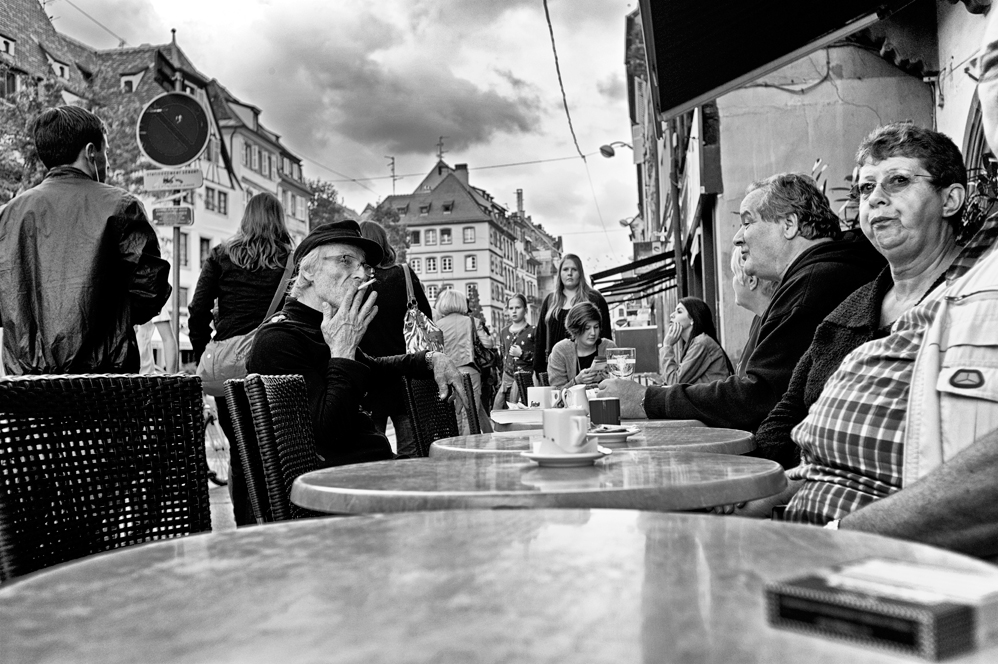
(458,326)
(384,337)
(573,360)
(241,275)
(570,289)
(695,356)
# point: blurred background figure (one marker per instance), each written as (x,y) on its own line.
(570,289)
(458,326)
(696,356)
(241,275)
(573,361)
(516,343)
(754,294)
(384,337)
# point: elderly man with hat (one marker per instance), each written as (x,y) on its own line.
(317,335)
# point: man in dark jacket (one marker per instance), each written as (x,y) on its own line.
(81,263)
(318,334)
(788,234)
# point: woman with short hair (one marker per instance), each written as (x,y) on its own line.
(572,360)
(458,326)
(695,355)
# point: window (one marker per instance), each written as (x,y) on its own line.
(205,249)
(431,236)
(431,292)
(294,206)
(209,198)
(446,264)
(416,264)
(126,87)
(247,154)
(255,155)
(270,166)
(301,209)
(445,236)
(472,288)
(431,264)
(469,234)
(183,251)
(223,203)
(424,209)
(8,45)
(297,171)
(9,83)
(470,263)
(414,237)
(448,207)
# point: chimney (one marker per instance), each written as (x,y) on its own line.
(461,171)
(519,203)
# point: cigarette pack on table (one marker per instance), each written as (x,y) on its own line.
(909,608)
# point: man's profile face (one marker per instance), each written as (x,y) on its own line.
(339,265)
(761,242)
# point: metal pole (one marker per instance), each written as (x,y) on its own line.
(677,231)
(175,314)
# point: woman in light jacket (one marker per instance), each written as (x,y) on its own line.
(458,326)
(571,360)
(695,355)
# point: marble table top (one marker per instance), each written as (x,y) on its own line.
(654,435)
(652,480)
(539,586)
(525,426)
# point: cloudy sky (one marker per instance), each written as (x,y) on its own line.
(346,83)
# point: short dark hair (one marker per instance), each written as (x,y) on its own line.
(63,131)
(581,315)
(794,193)
(936,151)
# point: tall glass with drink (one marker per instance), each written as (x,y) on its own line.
(620,362)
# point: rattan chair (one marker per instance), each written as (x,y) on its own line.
(472,410)
(279,407)
(90,463)
(246,458)
(432,419)
(543,378)
(524,379)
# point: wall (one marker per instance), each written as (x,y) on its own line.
(765,130)
(960,34)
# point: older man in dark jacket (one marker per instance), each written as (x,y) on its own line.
(81,262)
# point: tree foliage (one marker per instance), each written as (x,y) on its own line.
(20,167)
(324,206)
(398,233)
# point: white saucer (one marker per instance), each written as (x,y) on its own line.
(614,436)
(567,460)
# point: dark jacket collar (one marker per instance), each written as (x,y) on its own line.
(68,172)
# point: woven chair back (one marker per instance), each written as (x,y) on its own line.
(246,457)
(472,403)
(279,406)
(432,419)
(543,378)
(524,379)
(90,463)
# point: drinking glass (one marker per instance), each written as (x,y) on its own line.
(620,362)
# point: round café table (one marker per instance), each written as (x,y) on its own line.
(654,480)
(528,426)
(652,436)
(541,586)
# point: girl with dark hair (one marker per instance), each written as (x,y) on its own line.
(384,337)
(570,289)
(241,275)
(695,356)
(517,346)
(573,361)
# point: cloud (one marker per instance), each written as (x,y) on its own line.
(612,87)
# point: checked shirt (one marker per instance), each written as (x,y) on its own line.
(852,439)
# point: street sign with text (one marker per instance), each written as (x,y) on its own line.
(173,215)
(172,178)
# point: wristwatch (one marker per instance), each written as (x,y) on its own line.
(833,524)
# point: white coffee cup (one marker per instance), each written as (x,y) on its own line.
(565,432)
(541,397)
(575,397)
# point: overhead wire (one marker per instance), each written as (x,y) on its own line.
(121,41)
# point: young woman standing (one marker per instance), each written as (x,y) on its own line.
(517,346)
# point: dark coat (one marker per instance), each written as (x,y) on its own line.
(291,343)
(550,332)
(852,324)
(384,334)
(814,284)
(80,267)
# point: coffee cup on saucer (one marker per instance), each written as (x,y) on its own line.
(541,397)
(565,432)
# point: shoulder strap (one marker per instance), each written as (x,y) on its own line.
(283,286)
(408,284)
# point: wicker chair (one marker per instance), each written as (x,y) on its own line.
(472,410)
(524,379)
(432,419)
(543,377)
(247,459)
(90,463)
(279,407)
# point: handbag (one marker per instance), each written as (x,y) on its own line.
(222,360)
(489,364)
(420,332)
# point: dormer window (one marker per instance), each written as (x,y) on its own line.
(448,207)
(424,209)
(8,45)
(130,82)
(402,209)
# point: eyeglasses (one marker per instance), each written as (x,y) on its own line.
(351,263)
(893,184)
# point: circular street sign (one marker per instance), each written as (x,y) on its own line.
(173,129)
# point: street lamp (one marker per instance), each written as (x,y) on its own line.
(608,151)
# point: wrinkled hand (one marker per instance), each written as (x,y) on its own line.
(673,335)
(343,330)
(446,375)
(630,395)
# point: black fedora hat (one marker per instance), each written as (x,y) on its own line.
(340,232)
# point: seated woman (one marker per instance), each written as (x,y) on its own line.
(571,360)
(695,355)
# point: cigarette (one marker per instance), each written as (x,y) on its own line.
(366,283)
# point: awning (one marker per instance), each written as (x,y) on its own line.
(697,51)
(641,278)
